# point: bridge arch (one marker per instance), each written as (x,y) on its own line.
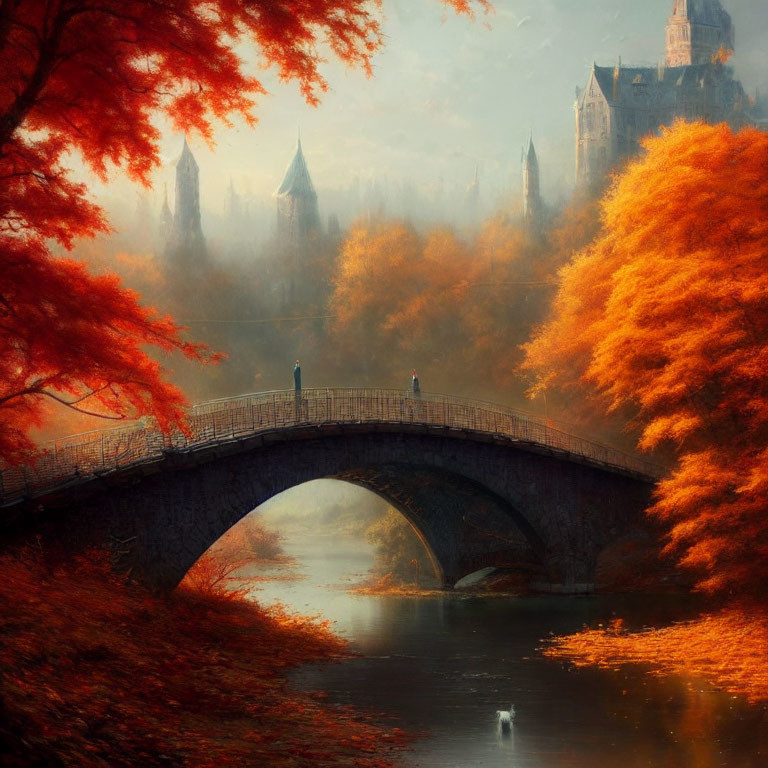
(484,485)
(171,519)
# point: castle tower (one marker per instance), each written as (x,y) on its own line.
(532,205)
(297,212)
(697,30)
(186,232)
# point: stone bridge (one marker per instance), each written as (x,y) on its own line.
(482,484)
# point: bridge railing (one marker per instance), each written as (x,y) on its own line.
(219,421)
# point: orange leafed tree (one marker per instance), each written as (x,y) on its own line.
(88,78)
(455,308)
(665,315)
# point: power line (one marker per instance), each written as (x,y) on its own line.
(261,321)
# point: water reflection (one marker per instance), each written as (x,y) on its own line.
(446,665)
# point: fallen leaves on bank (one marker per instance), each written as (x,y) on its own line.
(388,585)
(729,649)
(99,673)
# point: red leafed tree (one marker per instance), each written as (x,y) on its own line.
(666,316)
(84,77)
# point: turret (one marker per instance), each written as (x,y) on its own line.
(186,215)
(166,217)
(297,211)
(532,206)
(697,32)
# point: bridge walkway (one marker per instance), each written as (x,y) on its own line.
(81,457)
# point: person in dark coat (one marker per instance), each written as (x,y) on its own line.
(297,390)
(297,376)
(415,384)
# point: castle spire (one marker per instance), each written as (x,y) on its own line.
(187,233)
(297,211)
(532,205)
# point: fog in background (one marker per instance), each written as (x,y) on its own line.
(449,98)
(448,95)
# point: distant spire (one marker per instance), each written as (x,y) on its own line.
(532,206)
(530,160)
(186,155)
(297,180)
(187,234)
(166,217)
(297,211)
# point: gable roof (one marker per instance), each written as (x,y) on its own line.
(661,82)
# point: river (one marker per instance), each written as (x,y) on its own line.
(444,664)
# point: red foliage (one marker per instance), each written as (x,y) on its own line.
(75,338)
(219,571)
(99,673)
(212,576)
(666,315)
(77,76)
(465,6)
(250,540)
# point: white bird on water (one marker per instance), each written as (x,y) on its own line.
(505,718)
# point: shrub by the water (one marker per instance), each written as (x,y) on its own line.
(99,673)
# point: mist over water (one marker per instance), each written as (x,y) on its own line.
(444,664)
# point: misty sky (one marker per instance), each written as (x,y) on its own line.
(449,93)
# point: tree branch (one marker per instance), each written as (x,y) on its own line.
(72,405)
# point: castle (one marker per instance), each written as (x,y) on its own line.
(298,216)
(621,104)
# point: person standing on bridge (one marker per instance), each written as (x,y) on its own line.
(415,384)
(297,389)
(297,376)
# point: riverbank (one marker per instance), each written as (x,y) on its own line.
(99,673)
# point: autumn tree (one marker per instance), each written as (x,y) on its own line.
(665,315)
(90,78)
(400,554)
(377,272)
(456,309)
